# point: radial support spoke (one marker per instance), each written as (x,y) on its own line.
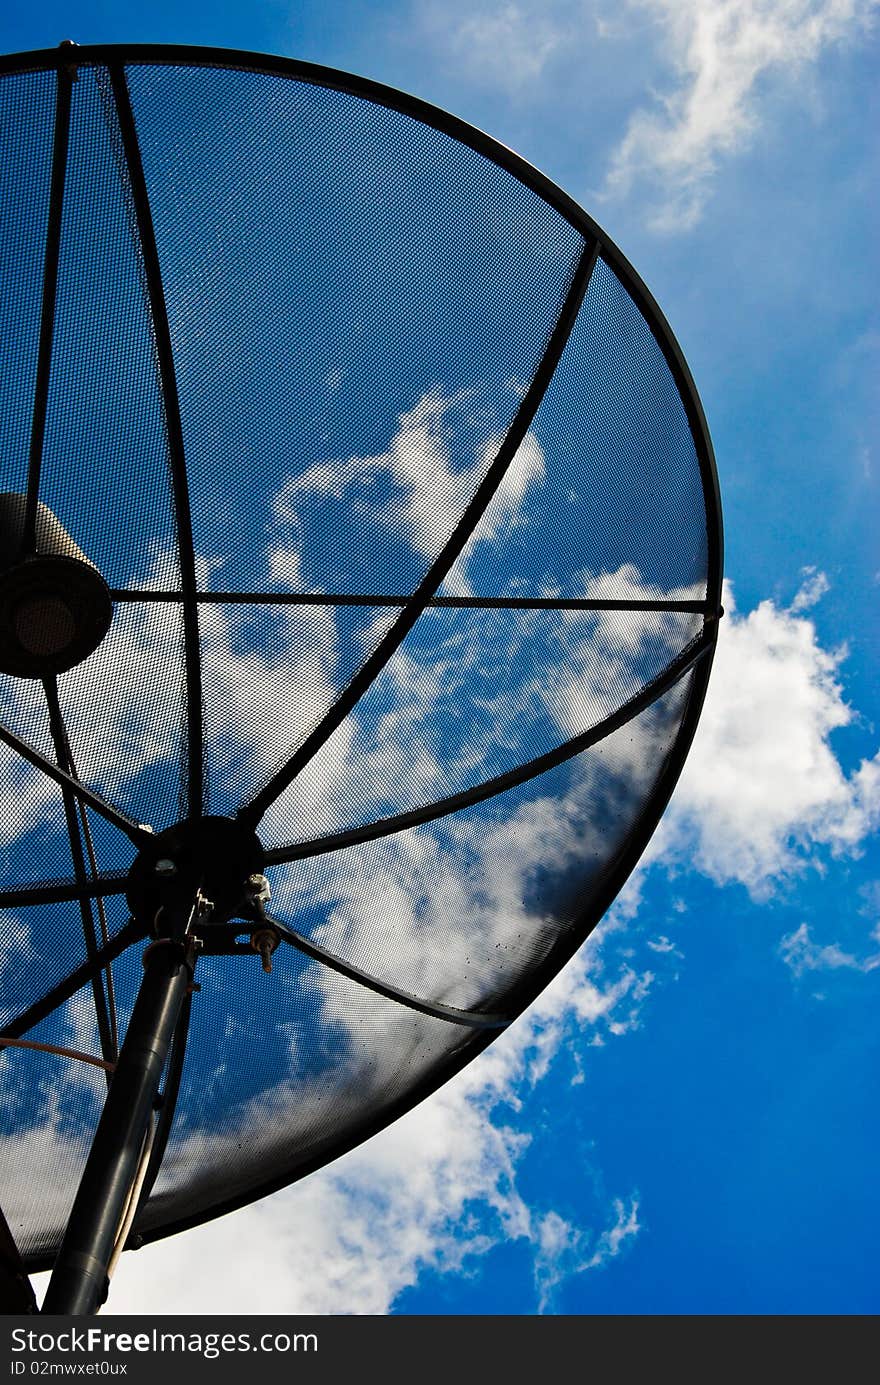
(469,603)
(171,408)
(64,81)
(106,1019)
(427,588)
(132,933)
(102,919)
(133,830)
(385,827)
(472,1019)
(21,896)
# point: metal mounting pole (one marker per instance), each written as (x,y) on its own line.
(79,1279)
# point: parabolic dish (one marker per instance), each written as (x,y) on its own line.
(407,508)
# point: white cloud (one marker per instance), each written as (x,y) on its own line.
(454,917)
(763,793)
(438,1189)
(29,798)
(504,511)
(464,699)
(813,587)
(507,45)
(18,936)
(262,696)
(435,1191)
(722,53)
(799,952)
(433,483)
(417,460)
(564,1250)
(42,1166)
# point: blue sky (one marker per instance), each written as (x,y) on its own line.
(684,1122)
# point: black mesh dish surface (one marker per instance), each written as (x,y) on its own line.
(407,508)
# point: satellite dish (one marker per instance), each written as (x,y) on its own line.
(359,585)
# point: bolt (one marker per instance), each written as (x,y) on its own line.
(165,867)
(204,906)
(258,888)
(265,941)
